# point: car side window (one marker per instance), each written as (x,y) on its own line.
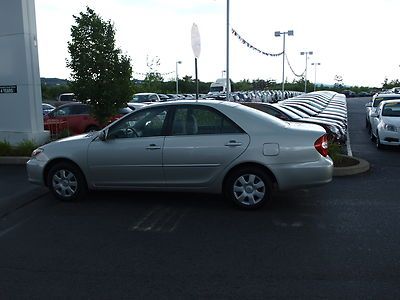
(79,110)
(153,98)
(63,111)
(144,123)
(201,120)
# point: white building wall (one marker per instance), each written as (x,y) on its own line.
(20,113)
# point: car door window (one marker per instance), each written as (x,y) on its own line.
(153,98)
(79,110)
(144,123)
(201,120)
(63,111)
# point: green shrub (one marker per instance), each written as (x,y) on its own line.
(24,148)
(63,134)
(334,150)
(5,148)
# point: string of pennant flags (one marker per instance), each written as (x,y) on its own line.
(162,74)
(247,44)
(290,66)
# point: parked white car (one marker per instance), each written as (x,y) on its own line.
(385,124)
(370,107)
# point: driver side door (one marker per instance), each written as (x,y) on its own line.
(131,156)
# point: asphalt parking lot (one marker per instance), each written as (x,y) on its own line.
(341,240)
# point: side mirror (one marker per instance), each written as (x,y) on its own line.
(103,135)
(369,104)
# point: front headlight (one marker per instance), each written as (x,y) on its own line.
(389,127)
(36,152)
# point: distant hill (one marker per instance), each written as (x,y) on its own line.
(53,81)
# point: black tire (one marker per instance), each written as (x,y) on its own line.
(248,188)
(378,143)
(66,182)
(371,136)
(91,128)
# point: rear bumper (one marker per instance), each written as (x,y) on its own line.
(292,176)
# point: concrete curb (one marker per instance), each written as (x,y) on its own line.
(13,160)
(361,167)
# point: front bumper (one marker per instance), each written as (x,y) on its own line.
(390,138)
(35,170)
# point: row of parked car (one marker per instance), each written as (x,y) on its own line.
(209,146)
(75,118)
(270,96)
(327,109)
(383,118)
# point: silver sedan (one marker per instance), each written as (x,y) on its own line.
(195,146)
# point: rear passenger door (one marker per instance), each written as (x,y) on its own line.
(201,143)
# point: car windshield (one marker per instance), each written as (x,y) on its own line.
(140,98)
(216,89)
(391,110)
(380,99)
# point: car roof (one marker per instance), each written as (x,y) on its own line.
(71,103)
(383,95)
(144,94)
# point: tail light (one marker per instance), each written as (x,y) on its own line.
(322,145)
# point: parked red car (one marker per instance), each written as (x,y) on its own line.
(76,118)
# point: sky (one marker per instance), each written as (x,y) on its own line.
(356,39)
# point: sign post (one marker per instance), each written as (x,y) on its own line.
(196,46)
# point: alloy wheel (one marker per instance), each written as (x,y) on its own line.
(249,189)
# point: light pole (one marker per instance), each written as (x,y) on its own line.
(277,34)
(315,73)
(176,73)
(306,53)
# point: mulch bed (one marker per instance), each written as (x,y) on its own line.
(345,161)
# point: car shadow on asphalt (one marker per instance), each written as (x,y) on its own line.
(290,201)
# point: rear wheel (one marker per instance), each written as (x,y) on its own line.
(66,182)
(248,188)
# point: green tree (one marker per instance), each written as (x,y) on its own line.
(100,72)
(390,84)
(153,80)
(242,85)
(338,86)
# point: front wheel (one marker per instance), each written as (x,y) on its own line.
(66,182)
(248,188)
(378,142)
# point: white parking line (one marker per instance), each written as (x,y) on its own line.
(159,219)
(349,152)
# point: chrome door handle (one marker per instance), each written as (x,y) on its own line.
(153,147)
(233,144)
